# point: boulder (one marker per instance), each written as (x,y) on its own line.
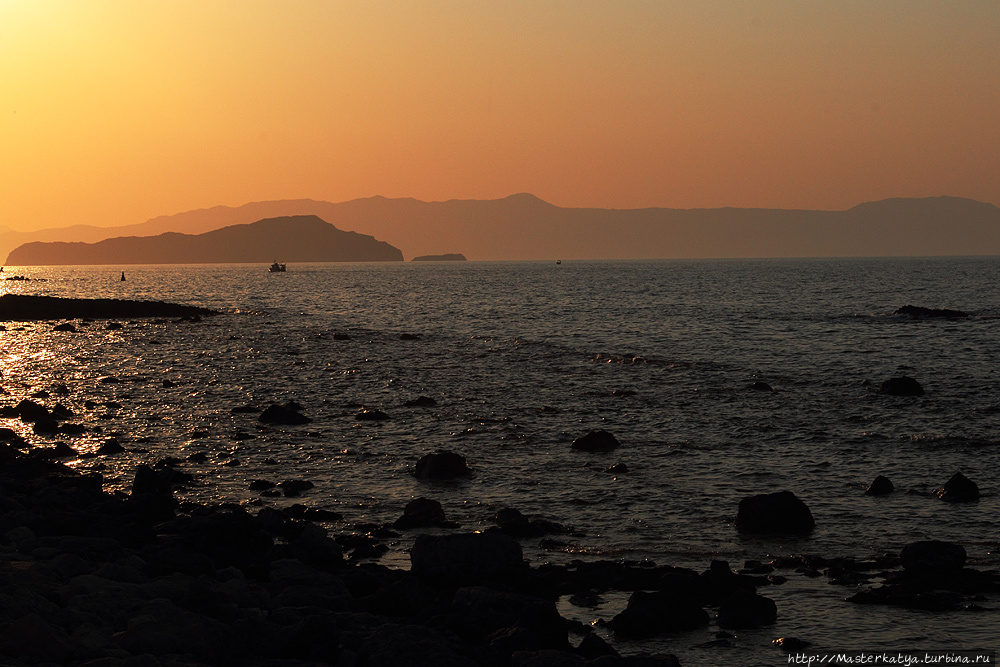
(932,557)
(958,489)
(901,386)
(466,557)
(596,441)
(421,402)
(880,486)
(420,513)
(441,465)
(649,614)
(780,512)
(745,609)
(29,411)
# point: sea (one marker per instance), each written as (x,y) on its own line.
(522,358)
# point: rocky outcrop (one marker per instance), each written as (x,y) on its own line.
(19,307)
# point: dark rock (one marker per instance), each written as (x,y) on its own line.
(780,512)
(511,522)
(761,386)
(29,411)
(880,486)
(650,614)
(596,441)
(466,557)
(46,426)
(244,409)
(421,402)
(341,336)
(919,313)
(113,326)
(110,447)
(958,489)
(282,415)
(441,465)
(932,557)
(593,646)
(420,513)
(791,643)
(65,326)
(745,609)
(409,336)
(617,469)
(23,308)
(261,485)
(41,393)
(901,386)
(295,487)
(369,414)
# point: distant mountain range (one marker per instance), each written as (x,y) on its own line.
(302,238)
(525,227)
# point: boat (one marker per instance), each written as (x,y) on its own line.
(277,268)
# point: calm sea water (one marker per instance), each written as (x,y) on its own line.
(522,358)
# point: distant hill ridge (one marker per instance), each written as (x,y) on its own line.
(523,226)
(300,238)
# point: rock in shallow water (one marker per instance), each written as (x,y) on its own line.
(282,415)
(958,489)
(880,486)
(933,557)
(596,441)
(780,512)
(441,465)
(901,386)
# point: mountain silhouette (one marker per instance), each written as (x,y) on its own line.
(301,238)
(523,226)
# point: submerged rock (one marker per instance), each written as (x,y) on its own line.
(780,512)
(958,489)
(933,557)
(442,465)
(919,313)
(901,386)
(282,415)
(596,441)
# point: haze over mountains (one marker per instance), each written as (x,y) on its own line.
(525,227)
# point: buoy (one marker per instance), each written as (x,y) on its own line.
(123,276)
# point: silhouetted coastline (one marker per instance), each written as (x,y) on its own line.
(20,307)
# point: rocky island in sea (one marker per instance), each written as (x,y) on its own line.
(447,257)
(296,238)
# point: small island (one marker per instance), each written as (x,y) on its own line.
(448,257)
(24,308)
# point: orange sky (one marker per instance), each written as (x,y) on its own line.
(115,111)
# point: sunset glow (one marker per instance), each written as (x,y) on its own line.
(115,111)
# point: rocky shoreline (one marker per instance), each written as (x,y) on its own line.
(94,578)
(23,308)
(89,577)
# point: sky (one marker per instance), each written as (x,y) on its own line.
(116,111)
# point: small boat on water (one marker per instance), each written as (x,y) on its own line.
(277,268)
